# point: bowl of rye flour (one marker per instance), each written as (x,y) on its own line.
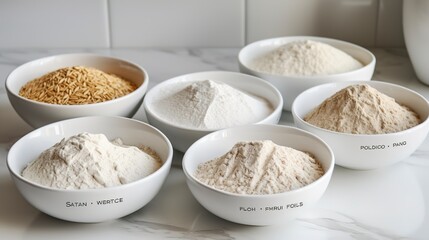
(368,124)
(190,106)
(294,64)
(90,169)
(258,174)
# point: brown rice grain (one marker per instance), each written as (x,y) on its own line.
(76,85)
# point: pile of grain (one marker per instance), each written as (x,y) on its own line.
(76,85)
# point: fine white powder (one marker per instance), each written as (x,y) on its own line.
(87,161)
(210,105)
(260,167)
(306,58)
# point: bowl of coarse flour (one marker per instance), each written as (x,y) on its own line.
(190,106)
(90,169)
(258,174)
(294,64)
(368,124)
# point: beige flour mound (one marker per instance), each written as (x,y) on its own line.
(87,161)
(306,58)
(260,167)
(361,109)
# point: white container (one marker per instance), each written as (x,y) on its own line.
(38,114)
(366,151)
(267,209)
(416,33)
(292,86)
(183,137)
(90,205)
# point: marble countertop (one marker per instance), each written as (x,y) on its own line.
(389,203)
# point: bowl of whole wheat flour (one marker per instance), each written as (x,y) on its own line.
(258,174)
(367,124)
(90,169)
(294,64)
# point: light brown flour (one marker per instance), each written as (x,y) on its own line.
(260,167)
(361,109)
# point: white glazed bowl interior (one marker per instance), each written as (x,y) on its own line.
(38,114)
(361,151)
(92,205)
(183,137)
(257,209)
(291,86)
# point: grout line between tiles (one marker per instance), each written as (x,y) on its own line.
(377,22)
(244,32)
(109,24)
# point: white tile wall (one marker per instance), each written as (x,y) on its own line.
(53,23)
(208,23)
(389,28)
(349,20)
(194,23)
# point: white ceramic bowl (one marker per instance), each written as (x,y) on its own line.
(257,209)
(183,137)
(291,86)
(415,21)
(38,114)
(83,205)
(362,151)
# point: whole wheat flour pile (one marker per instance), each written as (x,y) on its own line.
(362,109)
(306,58)
(260,167)
(87,161)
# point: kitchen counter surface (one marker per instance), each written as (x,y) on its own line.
(390,203)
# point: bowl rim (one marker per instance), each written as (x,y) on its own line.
(327,172)
(147,108)
(325,40)
(297,117)
(164,167)
(138,90)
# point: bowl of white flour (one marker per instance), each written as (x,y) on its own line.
(187,107)
(368,125)
(294,64)
(90,169)
(258,174)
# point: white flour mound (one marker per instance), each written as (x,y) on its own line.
(306,58)
(87,161)
(211,105)
(260,167)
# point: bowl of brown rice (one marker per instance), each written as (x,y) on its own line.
(74,85)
